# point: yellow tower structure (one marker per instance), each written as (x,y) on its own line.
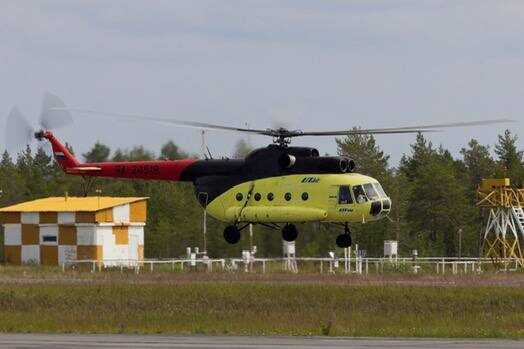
(504,230)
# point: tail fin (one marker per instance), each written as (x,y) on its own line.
(62,155)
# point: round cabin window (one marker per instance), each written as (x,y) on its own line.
(258,196)
(287,196)
(239,196)
(270,196)
(305,196)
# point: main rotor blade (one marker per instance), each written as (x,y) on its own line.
(19,132)
(54,113)
(284,133)
(182,123)
(407,129)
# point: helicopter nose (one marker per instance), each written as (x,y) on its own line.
(376,207)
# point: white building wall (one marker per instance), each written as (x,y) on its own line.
(88,235)
(31,254)
(66,253)
(66,217)
(49,230)
(121,213)
(30,217)
(136,233)
(12,234)
(136,238)
(108,248)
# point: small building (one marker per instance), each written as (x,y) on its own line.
(55,230)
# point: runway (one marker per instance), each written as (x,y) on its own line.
(204,342)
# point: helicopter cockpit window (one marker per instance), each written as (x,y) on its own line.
(371,192)
(344,195)
(380,190)
(359,193)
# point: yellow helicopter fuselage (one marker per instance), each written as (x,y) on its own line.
(346,198)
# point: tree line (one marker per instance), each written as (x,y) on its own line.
(433,194)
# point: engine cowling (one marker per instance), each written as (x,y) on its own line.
(321,164)
(286,161)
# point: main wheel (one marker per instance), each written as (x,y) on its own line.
(231,234)
(344,240)
(289,232)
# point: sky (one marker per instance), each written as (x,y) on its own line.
(310,65)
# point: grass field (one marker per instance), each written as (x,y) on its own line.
(234,304)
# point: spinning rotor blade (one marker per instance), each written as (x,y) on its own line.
(283,133)
(407,129)
(182,123)
(19,132)
(54,113)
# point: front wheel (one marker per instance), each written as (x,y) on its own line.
(344,240)
(289,232)
(231,234)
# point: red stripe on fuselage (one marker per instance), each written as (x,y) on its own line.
(159,170)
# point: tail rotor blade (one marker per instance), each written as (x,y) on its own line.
(54,113)
(19,132)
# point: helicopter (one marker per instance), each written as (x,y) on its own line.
(277,186)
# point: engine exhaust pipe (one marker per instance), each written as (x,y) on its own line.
(286,161)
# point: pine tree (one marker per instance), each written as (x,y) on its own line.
(171,151)
(368,156)
(510,158)
(98,153)
(478,162)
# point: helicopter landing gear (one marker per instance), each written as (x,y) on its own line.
(344,240)
(232,234)
(289,232)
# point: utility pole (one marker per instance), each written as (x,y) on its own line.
(460,243)
(251,237)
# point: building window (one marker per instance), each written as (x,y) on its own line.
(258,197)
(270,196)
(305,196)
(239,196)
(49,238)
(287,196)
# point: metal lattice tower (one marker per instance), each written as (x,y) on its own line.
(504,232)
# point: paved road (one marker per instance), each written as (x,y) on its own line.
(201,342)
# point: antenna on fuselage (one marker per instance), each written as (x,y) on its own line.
(206,153)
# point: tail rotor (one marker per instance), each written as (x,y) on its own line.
(54,114)
(19,131)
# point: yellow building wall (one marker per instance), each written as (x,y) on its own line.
(138,211)
(67,235)
(121,234)
(89,252)
(13,254)
(10,217)
(30,234)
(48,217)
(48,255)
